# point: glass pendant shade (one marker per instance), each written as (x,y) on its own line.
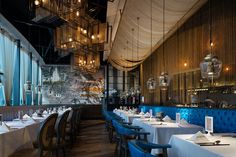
(28,86)
(38,89)
(211,67)
(132,91)
(164,80)
(138,90)
(151,84)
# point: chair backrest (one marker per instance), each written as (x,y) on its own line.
(69,119)
(47,131)
(136,151)
(78,116)
(120,129)
(60,126)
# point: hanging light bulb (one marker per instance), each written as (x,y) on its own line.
(84,31)
(77,13)
(70,39)
(36,2)
(93,37)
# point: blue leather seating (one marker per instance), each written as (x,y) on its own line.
(224,119)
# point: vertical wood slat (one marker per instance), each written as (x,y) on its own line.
(193,39)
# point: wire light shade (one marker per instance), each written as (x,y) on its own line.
(138,90)
(28,86)
(211,67)
(164,80)
(151,84)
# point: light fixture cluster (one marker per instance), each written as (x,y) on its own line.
(80,34)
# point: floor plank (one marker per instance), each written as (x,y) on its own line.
(92,141)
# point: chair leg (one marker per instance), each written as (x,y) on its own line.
(165,153)
(40,153)
(56,152)
(64,151)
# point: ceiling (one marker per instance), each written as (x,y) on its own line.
(128,49)
(40,34)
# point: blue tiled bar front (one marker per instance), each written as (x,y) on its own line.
(224,119)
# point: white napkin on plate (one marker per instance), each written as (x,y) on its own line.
(45,112)
(34,114)
(141,113)
(167,119)
(26,116)
(4,127)
(147,114)
(199,138)
(183,122)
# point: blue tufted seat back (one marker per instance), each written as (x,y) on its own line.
(224,119)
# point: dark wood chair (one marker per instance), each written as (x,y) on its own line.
(60,128)
(45,140)
(70,127)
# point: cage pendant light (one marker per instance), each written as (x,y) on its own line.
(132,90)
(138,88)
(151,83)
(164,79)
(127,93)
(211,66)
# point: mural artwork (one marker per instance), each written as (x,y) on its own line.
(64,85)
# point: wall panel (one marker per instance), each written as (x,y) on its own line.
(190,44)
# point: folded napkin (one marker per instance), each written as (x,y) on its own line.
(141,113)
(26,116)
(4,127)
(45,112)
(167,119)
(183,122)
(147,114)
(199,138)
(34,114)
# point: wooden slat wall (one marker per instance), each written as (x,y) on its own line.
(190,44)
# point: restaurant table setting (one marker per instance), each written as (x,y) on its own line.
(203,145)
(22,131)
(161,131)
(127,114)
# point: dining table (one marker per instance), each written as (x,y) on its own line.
(21,133)
(161,132)
(128,116)
(182,146)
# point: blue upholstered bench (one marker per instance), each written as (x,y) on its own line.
(224,119)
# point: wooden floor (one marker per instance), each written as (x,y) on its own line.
(92,141)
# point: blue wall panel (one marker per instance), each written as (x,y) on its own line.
(224,119)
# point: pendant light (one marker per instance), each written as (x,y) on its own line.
(164,79)
(211,66)
(151,83)
(138,88)
(132,90)
(127,93)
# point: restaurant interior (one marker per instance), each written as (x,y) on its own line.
(117,78)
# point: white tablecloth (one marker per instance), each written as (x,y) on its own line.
(181,147)
(21,135)
(128,117)
(161,134)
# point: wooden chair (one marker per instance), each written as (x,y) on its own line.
(45,140)
(60,128)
